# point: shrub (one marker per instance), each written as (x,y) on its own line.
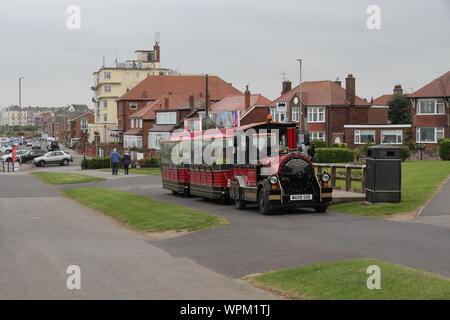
(405,152)
(339,145)
(334,155)
(150,163)
(444,149)
(318,144)
(96,163)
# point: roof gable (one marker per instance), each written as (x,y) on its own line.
(439,87)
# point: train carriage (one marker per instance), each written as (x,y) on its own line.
(262,167)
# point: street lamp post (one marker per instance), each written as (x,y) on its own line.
(300,95)
(20,103)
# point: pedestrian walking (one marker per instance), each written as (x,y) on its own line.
(126,162)
(115,161)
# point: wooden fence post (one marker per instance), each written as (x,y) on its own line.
(348,178)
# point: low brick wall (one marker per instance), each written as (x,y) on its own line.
(426,155)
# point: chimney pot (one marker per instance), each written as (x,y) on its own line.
(398,89)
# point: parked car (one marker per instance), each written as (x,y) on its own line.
(36,146)
(30,143)
(19,155)
(6,148)
(53,157)
(32,155)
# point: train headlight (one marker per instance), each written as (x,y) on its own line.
(326,177)
(273,180)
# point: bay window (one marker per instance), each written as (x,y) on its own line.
(317,135)
(429,134)
(391,136)
(154,139)
(364,136)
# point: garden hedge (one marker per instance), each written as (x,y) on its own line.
(318,144)
(96,163)
(150,163)
(334,155)
(444,149)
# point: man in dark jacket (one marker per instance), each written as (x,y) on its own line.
(126,162)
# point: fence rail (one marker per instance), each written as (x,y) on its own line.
(9,166)
(345,174)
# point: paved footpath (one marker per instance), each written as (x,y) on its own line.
(41,234)
(437,210)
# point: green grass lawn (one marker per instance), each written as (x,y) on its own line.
(64,178)
(143,213)
(420,179)
(347,280)
(146,171)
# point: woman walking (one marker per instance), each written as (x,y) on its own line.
(126,162)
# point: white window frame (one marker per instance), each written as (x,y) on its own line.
(435,107)
(133,105)
(278,115)
(437,130)
(296,114)
(131,141)
(132,123)
(398,136)
(357,135)
(166,117)
(105,117)
(316,114)
(154,139)
(317,135)
(105,104)
(107,89)
(84,124)
(107,75)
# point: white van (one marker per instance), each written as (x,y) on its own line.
(4,140)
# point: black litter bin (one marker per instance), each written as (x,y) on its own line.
(383,174)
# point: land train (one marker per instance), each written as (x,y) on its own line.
(259,163)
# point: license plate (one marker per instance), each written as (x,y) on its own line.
(298,197)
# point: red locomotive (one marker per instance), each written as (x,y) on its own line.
(258,163)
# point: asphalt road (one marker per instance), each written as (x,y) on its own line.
(41,234)
(255,243)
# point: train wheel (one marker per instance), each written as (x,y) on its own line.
(263,202)
(175,193)
(240,204)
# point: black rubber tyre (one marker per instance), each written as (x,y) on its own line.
(41,163)
(65,162)
(175,193)
(321,209)
(263,203)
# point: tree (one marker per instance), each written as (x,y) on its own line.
(399,109)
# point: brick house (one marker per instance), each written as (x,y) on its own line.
(251,107)
(325,108)
(154,87)
(173,109)
(430,111)
(78,125)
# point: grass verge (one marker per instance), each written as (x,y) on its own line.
(146,171)
(143,213)
(347,280)
(64,178)
(420,180)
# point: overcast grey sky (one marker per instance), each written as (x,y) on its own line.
(242,41)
